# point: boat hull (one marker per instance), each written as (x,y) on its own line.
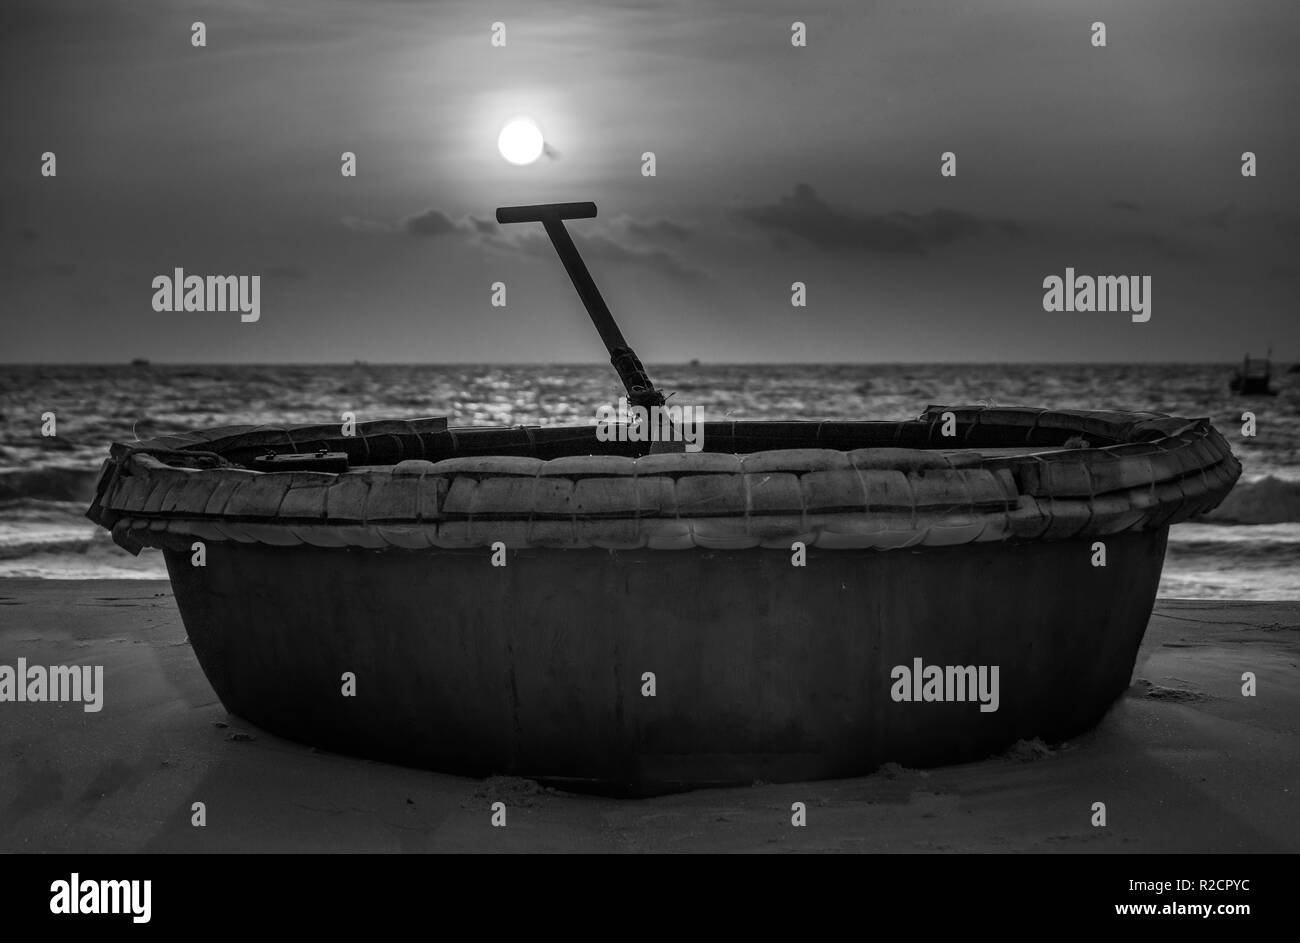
(762,670)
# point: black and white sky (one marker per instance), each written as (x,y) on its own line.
(774,164)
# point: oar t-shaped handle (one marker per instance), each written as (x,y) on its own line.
(640,389)
(541,212)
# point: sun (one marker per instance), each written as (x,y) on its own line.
(521,141)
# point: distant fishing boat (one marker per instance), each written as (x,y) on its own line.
(607,615)
(1254,378)
(139,362)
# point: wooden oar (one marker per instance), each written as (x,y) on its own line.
(640,388)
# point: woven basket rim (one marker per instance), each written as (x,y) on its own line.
(1153,471)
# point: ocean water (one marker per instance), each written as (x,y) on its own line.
(1248,549)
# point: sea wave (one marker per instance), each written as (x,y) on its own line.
(53,540)
(13,547)
(1267,545)
(1268,500)
(48,483)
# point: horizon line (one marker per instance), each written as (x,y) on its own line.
(146,362)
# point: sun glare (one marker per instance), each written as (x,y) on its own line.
(520,141)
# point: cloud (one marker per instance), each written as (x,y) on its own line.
(656,229)
(806,215)
(533,241)
(431,223)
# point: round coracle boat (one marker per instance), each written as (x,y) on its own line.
(798,600)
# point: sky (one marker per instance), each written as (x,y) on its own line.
(774,164)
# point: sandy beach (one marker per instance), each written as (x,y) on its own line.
(1183,762)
